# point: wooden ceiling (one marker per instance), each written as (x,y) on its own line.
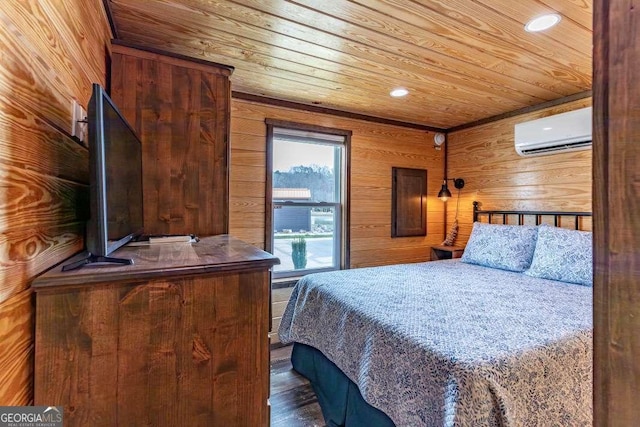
(462,60)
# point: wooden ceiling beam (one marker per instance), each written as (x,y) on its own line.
(324,110)
(542,106)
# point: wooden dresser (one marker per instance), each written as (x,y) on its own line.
(179,338)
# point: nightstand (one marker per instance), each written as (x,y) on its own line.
(446,252)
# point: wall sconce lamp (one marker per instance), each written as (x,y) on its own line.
(444,193)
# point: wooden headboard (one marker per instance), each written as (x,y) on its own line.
(538,215)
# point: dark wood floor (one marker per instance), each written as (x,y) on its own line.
(293,402)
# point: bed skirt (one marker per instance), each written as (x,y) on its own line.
(340,400)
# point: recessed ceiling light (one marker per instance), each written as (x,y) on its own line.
(543,22)
(398,92)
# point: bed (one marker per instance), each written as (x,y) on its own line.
(501,337)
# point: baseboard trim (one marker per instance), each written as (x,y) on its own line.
(276,345)
(281,284)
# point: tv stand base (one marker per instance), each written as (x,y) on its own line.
(91,259)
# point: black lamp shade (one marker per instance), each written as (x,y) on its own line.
(444,193)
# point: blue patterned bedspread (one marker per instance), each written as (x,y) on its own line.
(452,344)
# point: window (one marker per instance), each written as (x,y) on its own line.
(307,200)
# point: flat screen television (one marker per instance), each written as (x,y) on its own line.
(115,187)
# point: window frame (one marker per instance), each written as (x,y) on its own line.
(344,206)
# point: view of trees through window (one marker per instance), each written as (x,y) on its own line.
(318,179)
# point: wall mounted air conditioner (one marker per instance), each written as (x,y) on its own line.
(559,133)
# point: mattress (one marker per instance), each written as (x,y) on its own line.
(452,344)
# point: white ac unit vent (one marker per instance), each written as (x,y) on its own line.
(562,132)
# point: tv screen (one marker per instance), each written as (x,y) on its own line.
(115,167)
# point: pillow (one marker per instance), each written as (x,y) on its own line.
(564,255)
(507,247)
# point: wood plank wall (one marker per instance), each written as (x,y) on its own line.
(51,53)
(375,149)
(495,175)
